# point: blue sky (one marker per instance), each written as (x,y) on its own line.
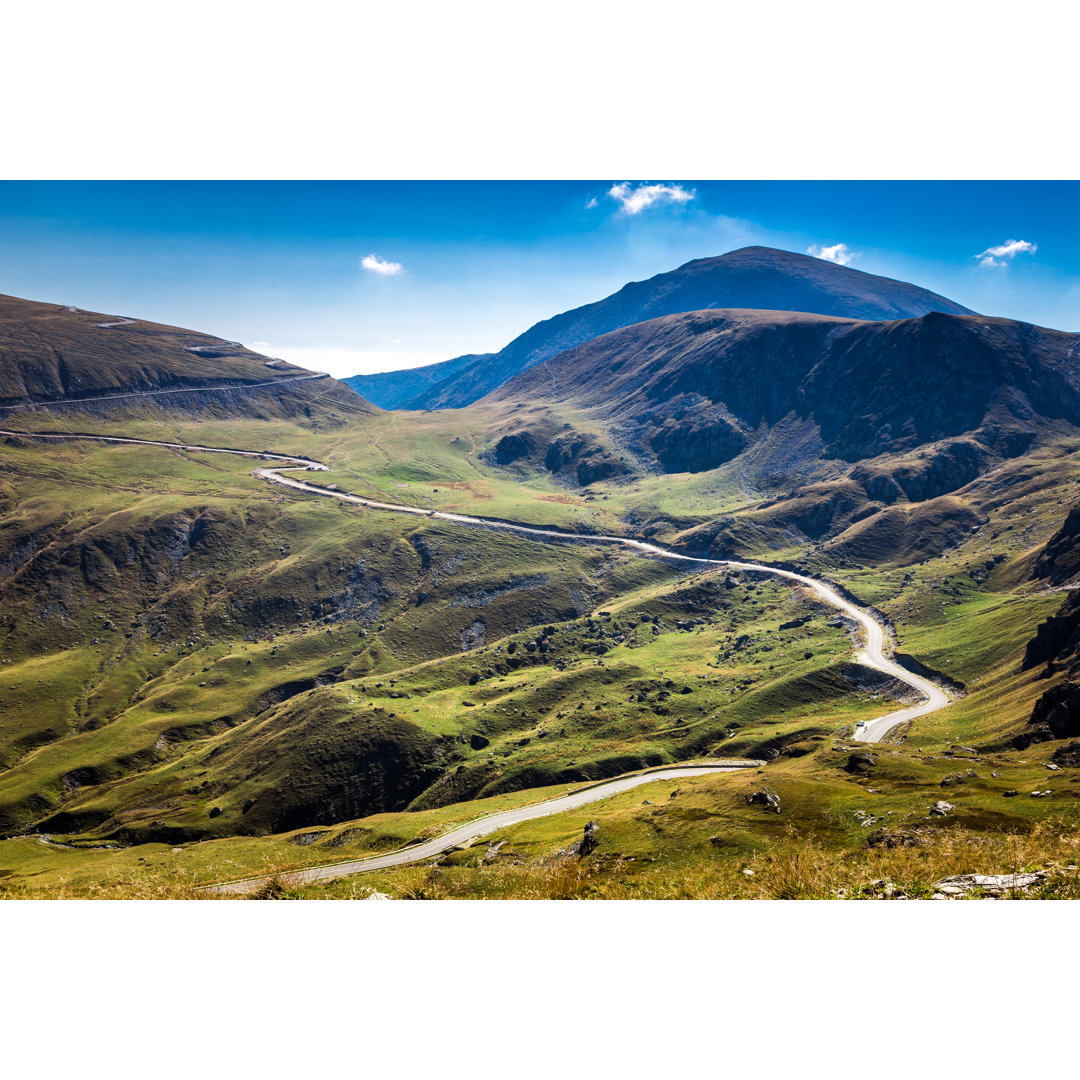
(369,276)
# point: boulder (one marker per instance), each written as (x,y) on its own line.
(859,762)
(941,808)
(588,842)
(1068,756)
(993,884)
(764,798)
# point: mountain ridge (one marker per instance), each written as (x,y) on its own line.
(695,390)
(393,389)
(52,355)
(756,278)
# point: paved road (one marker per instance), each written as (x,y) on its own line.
(158,393)
(872,655)
(286,459)
(464,834)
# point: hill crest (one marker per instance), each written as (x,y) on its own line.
(756,278)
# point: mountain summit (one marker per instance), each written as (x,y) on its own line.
(695,390)
(753,277)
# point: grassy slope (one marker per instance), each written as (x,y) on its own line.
(48,351)
(690,838)
(966,612)
(148,651)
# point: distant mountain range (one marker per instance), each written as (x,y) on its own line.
(394,389)
(752,277)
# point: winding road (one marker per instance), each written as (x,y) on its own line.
(22,406)
(872,655)
(485,826)
(874,635)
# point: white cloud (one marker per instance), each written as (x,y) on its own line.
(1001,253)
(381,266)
(592,204)
(632,200)
(837,253)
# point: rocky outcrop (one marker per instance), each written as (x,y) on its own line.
(574,457)
(1067,756)
(694,443)
(583,457)
(1057,639)
(1056,644)
(1060,558)
(766,799)
(588,842)
(514,447)
(996,885)
(937,470)
(942,470)
(859,763)
(474,636)
(1056,715)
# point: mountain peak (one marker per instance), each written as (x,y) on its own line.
(697,388)
(758,278)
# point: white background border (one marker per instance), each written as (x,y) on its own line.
(630,90)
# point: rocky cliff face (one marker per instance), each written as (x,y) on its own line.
(1060,559)
(1056,645)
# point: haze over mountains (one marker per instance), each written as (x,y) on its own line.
(394,389)
(753,277)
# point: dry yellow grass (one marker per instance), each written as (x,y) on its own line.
(795,868)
